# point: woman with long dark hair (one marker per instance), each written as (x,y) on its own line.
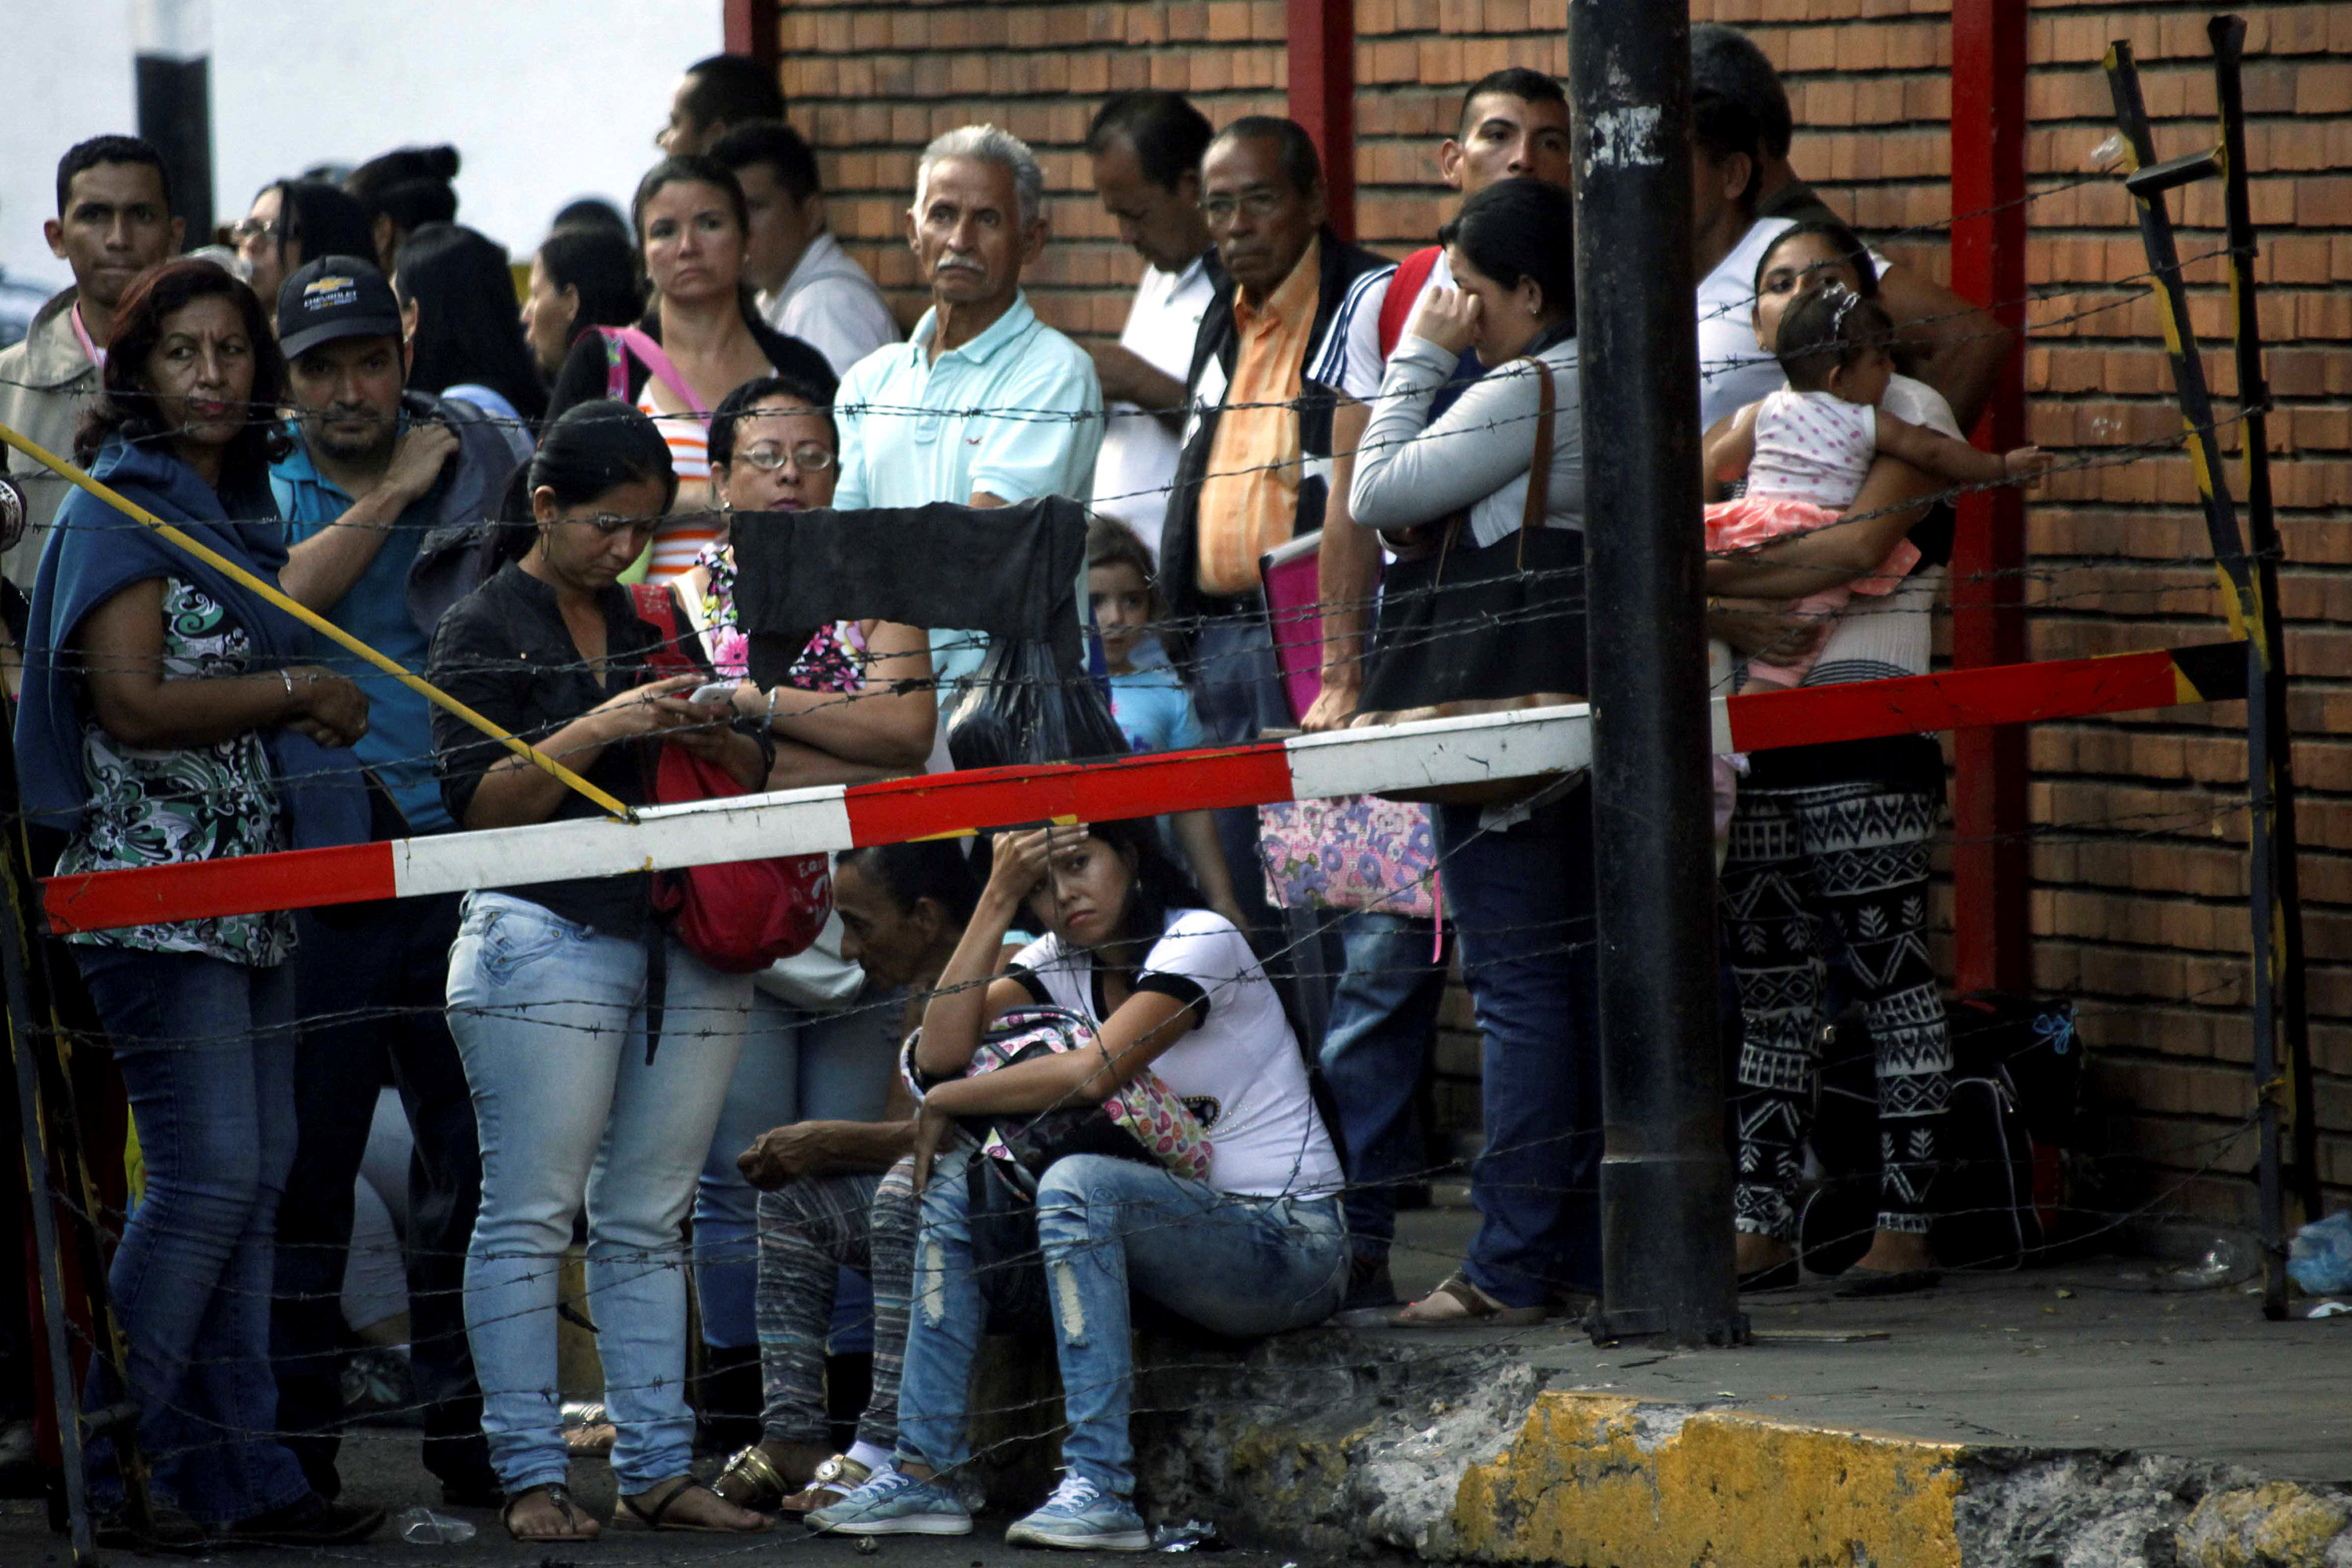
(1256,1249)
(400,192)
(457,305)
(585,276)
(1503,616)
(1839,837)
(294,221)
(702,339)
(168,716)
(597,1046)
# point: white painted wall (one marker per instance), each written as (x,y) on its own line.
(546,100)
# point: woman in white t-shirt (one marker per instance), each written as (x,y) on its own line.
(1257,1248)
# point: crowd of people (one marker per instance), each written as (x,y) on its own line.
(351,401)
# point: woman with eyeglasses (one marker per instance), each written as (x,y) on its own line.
(292,222)
(857,704)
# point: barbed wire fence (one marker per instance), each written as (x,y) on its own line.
(2200,1151)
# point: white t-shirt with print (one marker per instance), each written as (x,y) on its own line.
(1239,1069)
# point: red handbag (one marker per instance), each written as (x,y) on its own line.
(741,916)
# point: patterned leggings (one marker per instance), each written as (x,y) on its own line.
(808,1230)
(1855,854)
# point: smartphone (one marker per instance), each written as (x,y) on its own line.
(712,691)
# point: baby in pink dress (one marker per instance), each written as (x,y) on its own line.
(1805,449)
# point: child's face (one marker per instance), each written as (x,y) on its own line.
(1865,381)
(1122,604)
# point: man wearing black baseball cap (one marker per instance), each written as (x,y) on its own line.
(386,495)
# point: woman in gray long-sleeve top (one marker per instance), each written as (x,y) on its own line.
(1494,615)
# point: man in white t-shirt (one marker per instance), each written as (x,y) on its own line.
(809,288)
(1145,148)
(1727,239)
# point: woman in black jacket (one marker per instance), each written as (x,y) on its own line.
(707,337)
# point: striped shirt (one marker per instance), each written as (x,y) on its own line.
(681,539)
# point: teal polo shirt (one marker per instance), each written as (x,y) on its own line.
(399,742)
(915,431)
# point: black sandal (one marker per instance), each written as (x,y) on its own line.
(654,1517)
(565,1504)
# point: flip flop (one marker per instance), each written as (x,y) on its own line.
(557,1494)
(658,1517)
(1459,1304)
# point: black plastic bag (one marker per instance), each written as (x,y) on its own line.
(1020,707)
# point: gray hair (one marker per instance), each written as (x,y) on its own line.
(989,144)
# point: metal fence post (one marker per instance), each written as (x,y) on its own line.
(1665,1179)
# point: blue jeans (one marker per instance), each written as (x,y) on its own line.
(1522,904)
(796,1066)
(206,1052)
(1383,1019)
(1236,1266)
(549,1020)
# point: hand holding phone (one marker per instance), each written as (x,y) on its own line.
(713,691)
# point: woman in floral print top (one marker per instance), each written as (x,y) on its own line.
(165,718)
(856,704)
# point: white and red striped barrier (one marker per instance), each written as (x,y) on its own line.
(1355,762)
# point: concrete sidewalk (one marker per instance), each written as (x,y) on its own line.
(2105,1412)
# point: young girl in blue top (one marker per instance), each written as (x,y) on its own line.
(1153,709)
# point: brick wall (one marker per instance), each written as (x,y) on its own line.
(2137,862)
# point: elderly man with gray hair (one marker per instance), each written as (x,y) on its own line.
(965,410)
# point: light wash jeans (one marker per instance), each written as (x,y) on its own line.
(206,1052)
(550,1019)
(1240,1266)
(796,1066)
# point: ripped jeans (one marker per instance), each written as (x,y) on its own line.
(1236,1264)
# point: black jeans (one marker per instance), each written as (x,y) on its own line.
(372,995)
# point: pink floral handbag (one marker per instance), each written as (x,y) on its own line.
(1352,852)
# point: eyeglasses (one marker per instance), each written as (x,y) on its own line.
(809,456)
(250,228)
(1258,204)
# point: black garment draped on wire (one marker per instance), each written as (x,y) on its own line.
(1008,572)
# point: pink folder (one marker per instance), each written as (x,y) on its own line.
(1294,615)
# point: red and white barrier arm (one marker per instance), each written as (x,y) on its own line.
(1353,762)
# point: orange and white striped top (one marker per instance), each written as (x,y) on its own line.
(681,539)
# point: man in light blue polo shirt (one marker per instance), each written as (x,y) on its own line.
(983,405)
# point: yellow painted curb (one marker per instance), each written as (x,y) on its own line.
(1612,1482)
(2275,1525)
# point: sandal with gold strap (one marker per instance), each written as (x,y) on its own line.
(751,1480)
(835,1479)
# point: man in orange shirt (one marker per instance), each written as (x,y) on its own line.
(1257,463)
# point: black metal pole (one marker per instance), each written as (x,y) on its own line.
(173,71)
(2229,35)
(1665,1179)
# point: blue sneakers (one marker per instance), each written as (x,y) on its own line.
(1082,1517)
(894,1503)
